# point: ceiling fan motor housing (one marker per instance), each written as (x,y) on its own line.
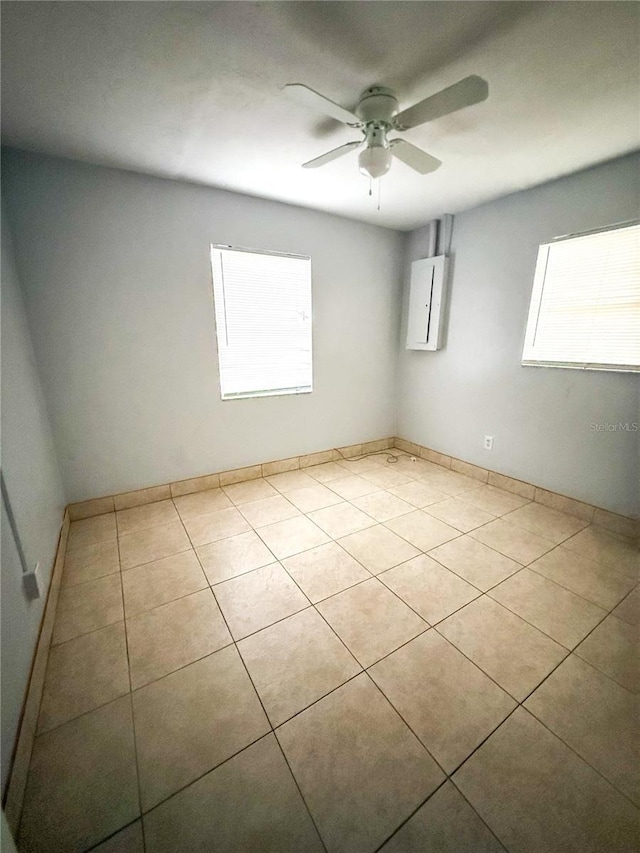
(378,104)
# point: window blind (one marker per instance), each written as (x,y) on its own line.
(585,304)
(263,322)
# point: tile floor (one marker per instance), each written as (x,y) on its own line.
(356,657)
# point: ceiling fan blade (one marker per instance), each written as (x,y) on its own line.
(309,98)
(466,92)
(331,155)
(414,157)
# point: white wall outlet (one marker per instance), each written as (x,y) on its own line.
(488,442)
(31,583)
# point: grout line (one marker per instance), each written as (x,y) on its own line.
(295,781)
(184,787)
(581,757)
(133,717)
(399,714)
(414,812)
(113,835)
(320,698)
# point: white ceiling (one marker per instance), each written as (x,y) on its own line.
(193,91)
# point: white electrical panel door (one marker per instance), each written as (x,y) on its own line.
(426,303)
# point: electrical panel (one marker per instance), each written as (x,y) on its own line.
(426,303)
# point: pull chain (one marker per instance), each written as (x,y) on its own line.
(370,183)
(379,192)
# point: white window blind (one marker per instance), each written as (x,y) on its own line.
(585,304)
(263,322)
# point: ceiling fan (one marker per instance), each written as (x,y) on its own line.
(377,115)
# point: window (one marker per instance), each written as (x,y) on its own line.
(585,304)
(263,322)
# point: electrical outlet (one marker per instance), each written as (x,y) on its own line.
(31,583)
(488,442)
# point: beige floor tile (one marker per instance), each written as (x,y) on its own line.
(422,530)
(359,466)
(191,721)
(378,548)
(413,466)
(431,590)
(459,514)
(385,478)
(450,704)
(145,546)
(446,823)
(83,674)
(201,503)
(512,541)
(417,493)
(295,662)
(325,570)
(326,472)
(128,840)
(251,490)
(286,538)
(608,549)
(94,561)
(449,482)
(313,497)
(87,607)
(257,599)
(556,611)
(605,732)
(382,505)
(173,635)
(591,580)
(359,768)
(539,797)
(90,531)
(153,584)
(614,648)
(341,519)
(508,649)
(629,609)
(250,803)
(69,806)
(477,563)
(268,511)
(234,556)
(214,526)
(371,620)
(494,500)
(143,517)
(546,522)
(291,481)
(352,486)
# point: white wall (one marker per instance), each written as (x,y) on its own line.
(30,469)
(540,417)
(117,283)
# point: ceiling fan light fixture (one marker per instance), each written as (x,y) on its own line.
(374,162)
(375,158)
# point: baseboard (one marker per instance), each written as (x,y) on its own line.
(31,709)
(611,521)
(151,494)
